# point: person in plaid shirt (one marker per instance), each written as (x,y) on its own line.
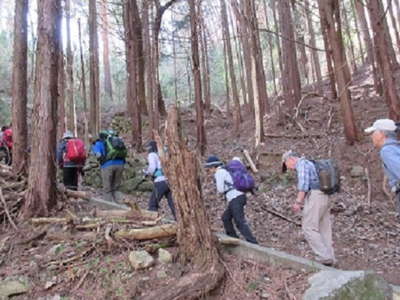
(316,222)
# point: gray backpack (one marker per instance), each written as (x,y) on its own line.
(329,175)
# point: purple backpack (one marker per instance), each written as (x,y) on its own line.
(242,180)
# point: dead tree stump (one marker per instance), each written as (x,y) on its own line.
(197,245)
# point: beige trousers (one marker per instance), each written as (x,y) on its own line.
(317,226)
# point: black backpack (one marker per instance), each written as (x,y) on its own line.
(329,175)
(115,148)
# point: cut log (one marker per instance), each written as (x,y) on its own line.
(150,233)
(250,161)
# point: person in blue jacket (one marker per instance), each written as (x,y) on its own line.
(384,138)
(111,169)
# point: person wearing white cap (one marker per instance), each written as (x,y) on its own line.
(384,137)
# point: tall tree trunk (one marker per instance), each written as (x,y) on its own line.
(290,76)
(227,39)
(330,13)
(315,56)
(299,30)
(385,61)
(277,41)
(94,82)
(239,58)
(205,64)
(197,244)
(20,86)
(135,68)
(244,39)
(147,48)
(226,73)
(83,86)
(394,24)
(350,39)
(41,192)
(106,52)
(270,47)
(71,117)
(357,28)
(201,134)
(328,54)
(359,6)
(61,116)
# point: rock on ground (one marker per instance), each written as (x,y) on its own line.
(140,260)
(347,285)
(12,287)
(164,256)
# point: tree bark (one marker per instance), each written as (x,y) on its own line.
(197,244)
(394,23)
(359,6)
(147,48)
(83,87)
(290,76)
(386,62)
(61,119)
(41,192)
(357,28)
(330,13)
(71,118)
(230,63)
(205,63)
(349,38)
(315,56)
(94,82)
(20,87)
(201,134)
(135,68)
(106,51)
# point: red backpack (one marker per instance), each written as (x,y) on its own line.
(7,138)
(75,151)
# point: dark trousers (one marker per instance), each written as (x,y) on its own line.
(235,212)
(160,190)
(70,178)
(397,203)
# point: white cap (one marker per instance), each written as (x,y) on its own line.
(237,158)
(382,124)
(67,135)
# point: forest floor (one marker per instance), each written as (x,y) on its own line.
(366,228)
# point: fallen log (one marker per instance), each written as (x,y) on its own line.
(156,232)
(141,213)
(250,161)
(294,136)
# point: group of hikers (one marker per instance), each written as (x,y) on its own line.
(316,181)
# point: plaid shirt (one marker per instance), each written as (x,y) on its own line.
(307,177)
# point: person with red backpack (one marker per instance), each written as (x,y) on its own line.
(6,144)
(71,157)
(233,181)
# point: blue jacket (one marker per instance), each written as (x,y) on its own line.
(99,150)
(390,156)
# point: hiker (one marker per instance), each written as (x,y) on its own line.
(6,144)
(316,222)
(111,152)
(236,199)
(161,187)
(71,157)
(384,138)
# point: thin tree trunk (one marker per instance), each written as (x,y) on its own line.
(106,51)
(315,56)
(290,77)
(359,6)
(201,134)
(206,67)
(299,30)
(277,41)
(330,13)
(94,82)
(235,94)
(239,58)
(41,192)
(61,116)
(71,117)
(385,61)
(83,86)
(20,86)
